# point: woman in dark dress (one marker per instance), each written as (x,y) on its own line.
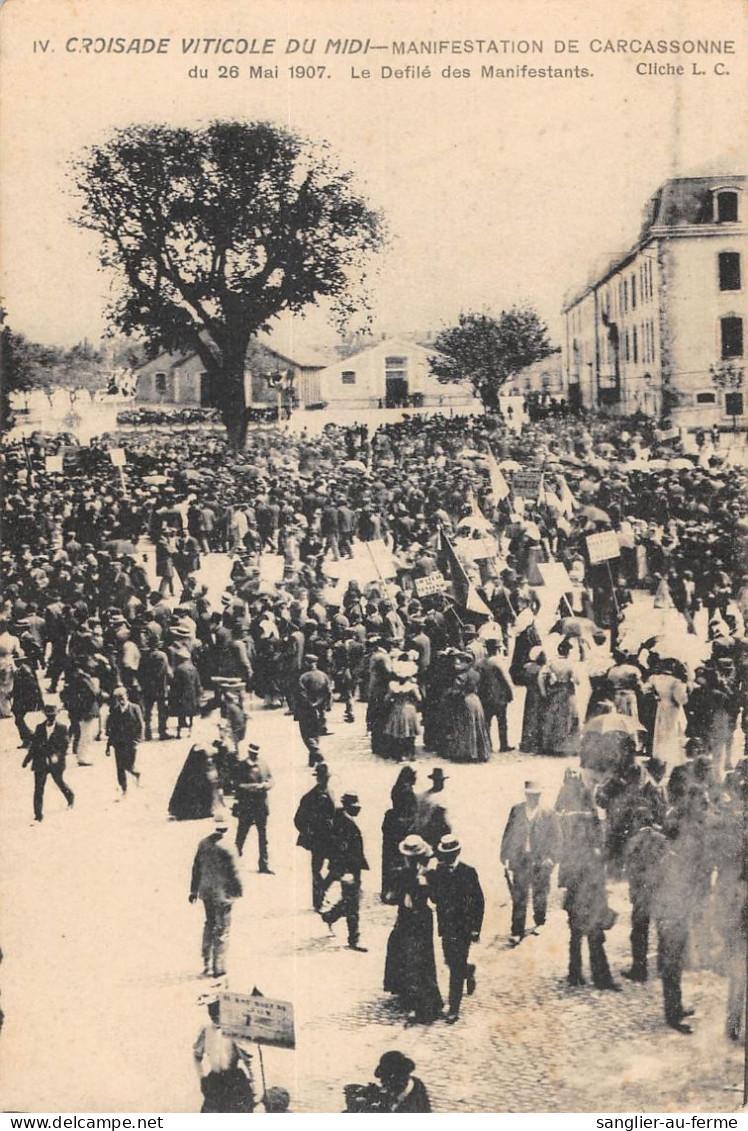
(532,716)
(197,790)
(410,969)
(465,735)
(185,691)
(397,824)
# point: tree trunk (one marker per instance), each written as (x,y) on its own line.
(231,399)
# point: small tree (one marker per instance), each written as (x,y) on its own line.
(214,232)
(488,351)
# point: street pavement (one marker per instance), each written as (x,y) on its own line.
(101,970)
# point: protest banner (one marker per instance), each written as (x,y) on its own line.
(601,547)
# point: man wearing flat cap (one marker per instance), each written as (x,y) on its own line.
(314,821)
(313,699)
(347,862)
(529,849)
(459,916)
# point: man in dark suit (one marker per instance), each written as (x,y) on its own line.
(124,730)
(46,755)
(313,821)
(252,781)
(347,862)
(459,916)
(529,849)
(495,692)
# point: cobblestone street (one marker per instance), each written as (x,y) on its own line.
(119,955)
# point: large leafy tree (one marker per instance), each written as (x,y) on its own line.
(216,231)
(488,351)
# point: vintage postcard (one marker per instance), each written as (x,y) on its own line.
(372,630)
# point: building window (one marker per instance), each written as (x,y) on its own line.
(729,270)
(734,404)
(160,379)
(636,345)
(706,398)
(731,336)
(349,377)
(627,351)
(625,295)
(633,292)
(726,207)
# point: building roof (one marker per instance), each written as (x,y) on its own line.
(387,345)
(684,200)
(304,359)
(679,202)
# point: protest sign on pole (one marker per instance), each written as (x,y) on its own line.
(53,465)
(260,1019)
(601,547)
(118,456)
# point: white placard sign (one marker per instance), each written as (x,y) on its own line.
(601,547)
(435,582)
(258,1019)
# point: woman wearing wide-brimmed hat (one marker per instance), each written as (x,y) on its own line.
(410,969)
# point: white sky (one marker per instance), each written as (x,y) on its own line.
(494,190)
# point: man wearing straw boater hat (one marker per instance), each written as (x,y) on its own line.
(459,917)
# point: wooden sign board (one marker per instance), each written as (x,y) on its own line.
(434,583)
(259,1019)
(527,483)
(601,547)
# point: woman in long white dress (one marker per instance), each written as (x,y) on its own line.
(671,692)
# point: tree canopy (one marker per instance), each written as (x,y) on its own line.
(214,232)
(487,350)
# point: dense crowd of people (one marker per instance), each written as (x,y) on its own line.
(426,575)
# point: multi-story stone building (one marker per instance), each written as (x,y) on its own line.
(661,328)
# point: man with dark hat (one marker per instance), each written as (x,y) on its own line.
(314,821)
(252,782)
(431,821)
(124,730)
(215,880)
(347,862)
(154,677)
(459,916)
(529,849)
(495,692)
(314,696)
